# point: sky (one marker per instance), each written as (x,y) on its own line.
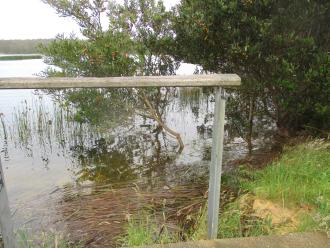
(32,19)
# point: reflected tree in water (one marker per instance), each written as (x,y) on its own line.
(123,158)
(133,44)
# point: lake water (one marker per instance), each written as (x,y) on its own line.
(44,150)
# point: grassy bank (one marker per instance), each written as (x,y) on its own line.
(19,57)
(298,183)
(291,194)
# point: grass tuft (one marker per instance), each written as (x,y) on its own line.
(299,179)
(301,176)
(144,231)
(237,220)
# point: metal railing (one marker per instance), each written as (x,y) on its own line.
(220,81)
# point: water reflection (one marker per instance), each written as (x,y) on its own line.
(44,126)
(52,139)
(103,165)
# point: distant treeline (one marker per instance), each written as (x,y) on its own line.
(19,57)
(22,46)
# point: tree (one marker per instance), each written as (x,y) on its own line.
(279,48)
(86,13)
(149,24)
(135,43)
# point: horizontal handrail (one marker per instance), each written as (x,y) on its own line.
(222,80)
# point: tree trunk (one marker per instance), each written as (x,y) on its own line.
(154,114)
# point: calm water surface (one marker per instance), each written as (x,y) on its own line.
(43,149)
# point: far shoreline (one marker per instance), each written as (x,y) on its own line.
(10,57)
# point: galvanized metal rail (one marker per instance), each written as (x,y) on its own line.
(220,81)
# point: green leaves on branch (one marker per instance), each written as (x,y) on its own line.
(109,55)
(279,48)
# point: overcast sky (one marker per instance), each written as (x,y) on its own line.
(32,19)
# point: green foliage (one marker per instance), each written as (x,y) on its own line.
(109,55)
(149,25)
(86,13)
(279,48)
(135,43)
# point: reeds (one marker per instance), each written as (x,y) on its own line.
(101,217)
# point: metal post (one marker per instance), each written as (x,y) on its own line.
(216,163)
(6,224)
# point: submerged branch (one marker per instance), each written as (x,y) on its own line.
(154,114)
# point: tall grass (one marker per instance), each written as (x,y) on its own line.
(237,220)
(300,176)
(300,179)
(146,230)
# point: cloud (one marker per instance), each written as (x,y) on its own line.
(32,19)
